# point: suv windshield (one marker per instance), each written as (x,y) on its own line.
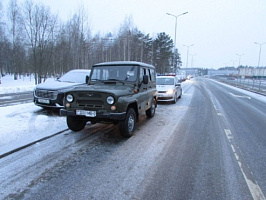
(113,73)
(164,81)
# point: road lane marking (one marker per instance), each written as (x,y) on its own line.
(253,186)
(240,96)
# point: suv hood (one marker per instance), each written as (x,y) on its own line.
(118,90)
(56,85)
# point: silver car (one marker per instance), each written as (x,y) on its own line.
(168,88)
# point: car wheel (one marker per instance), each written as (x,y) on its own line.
(127,126)
(180,95)
(75,124)
(174,101)
(151,111)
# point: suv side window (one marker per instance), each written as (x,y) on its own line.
(141,73)
(152,75)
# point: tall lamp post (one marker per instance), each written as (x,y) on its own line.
(259,62)
(192,59)
(175,16)
(187,52)
(259,51)
(239,58)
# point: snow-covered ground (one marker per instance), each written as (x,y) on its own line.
(24,123)
(23,84)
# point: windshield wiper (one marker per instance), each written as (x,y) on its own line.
(112,79)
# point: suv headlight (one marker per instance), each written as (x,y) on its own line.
(110,100)
(70,98)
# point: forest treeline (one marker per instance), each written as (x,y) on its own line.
(33,40)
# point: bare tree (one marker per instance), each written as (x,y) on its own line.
(16,35)
(40,27)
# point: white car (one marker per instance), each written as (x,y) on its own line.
(168,88)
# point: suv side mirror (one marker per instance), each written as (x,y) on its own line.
(145,79)
(87,79)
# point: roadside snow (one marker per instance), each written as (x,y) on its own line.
(23,84)
(24,123)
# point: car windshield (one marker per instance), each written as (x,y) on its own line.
(114,73)
(164,81)
(75,76)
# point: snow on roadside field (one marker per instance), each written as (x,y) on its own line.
(23,84)
(24,123)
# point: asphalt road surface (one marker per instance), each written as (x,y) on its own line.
(211,144)
(15,98)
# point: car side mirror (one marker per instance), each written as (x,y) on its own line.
(87,79)
(145,79)
(178,84)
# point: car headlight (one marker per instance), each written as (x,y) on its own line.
(170,91)
(110,100)
(70,98)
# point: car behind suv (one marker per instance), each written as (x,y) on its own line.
(117,92)
(51,93)
(169,88)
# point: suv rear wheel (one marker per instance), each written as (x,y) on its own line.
(127,126)
(75,124)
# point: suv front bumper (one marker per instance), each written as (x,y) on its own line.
(99,116)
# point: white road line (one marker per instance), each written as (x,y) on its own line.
(239,96)
(254,188)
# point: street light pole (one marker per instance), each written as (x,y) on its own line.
(239,58)
(259,51)
(187,52)
(175,16)
(192,59)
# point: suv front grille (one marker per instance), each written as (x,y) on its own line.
(46,94)
(90,100)
(90,95)
(90,103)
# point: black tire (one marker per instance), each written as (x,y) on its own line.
(174,101)
(75,124)
(127,126)
(151,111)
(180,95)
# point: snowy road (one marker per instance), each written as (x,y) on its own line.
(15,98)
(197,148)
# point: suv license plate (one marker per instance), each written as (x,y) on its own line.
(87,113)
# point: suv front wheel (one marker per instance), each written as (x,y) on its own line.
(127,126)
(75,124)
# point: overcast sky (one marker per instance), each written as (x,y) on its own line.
(218,29)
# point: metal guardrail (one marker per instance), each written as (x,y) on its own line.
(257,85)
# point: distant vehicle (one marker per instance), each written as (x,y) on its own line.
(117,92)
(189,77)
(181,75)
(51,94)
(168,88)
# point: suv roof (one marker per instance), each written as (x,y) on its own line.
(124,63)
